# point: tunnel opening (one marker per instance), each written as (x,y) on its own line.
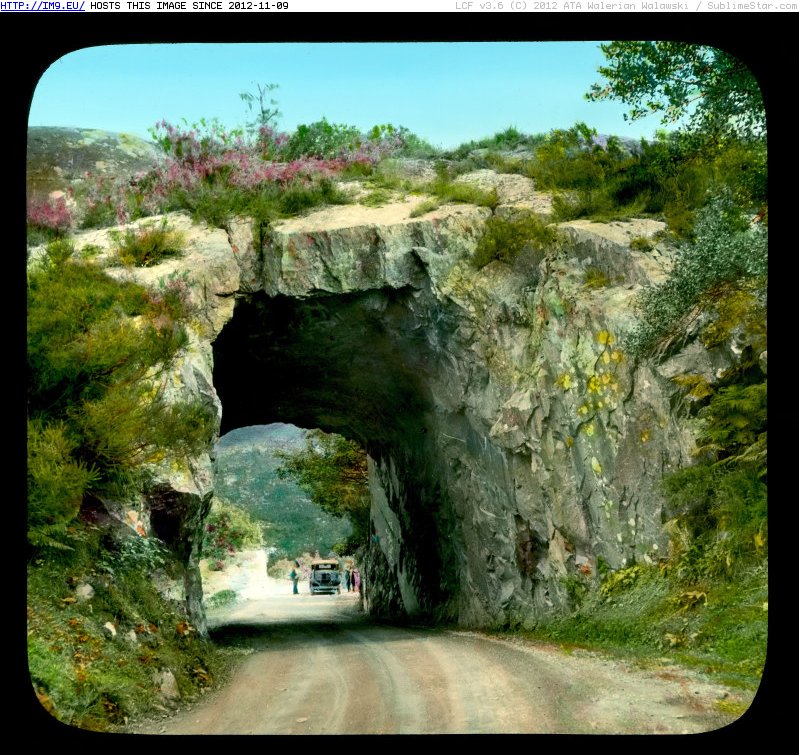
(251,473)
(357,365)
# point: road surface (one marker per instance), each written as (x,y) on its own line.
(317,665)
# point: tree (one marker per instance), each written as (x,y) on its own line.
(265,116)
(333,471)
(716,90)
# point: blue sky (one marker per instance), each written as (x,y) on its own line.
(447,92)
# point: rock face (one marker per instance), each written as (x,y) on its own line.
(512,441)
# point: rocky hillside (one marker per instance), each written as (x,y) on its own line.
(58,158)
(515,447)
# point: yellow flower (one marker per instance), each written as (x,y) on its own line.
(565,381)
(604,337)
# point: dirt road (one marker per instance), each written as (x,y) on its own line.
(318,666)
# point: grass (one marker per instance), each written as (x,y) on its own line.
(642,244)
(448,191)
(377,198)
(509,139)
(222,598)
(148,245)
(99,215)
(84,676)
(428,205)
(651,618)
(216,205)
(595,278)
(389,176)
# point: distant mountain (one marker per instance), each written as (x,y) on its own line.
(275,435)
(59,157)
(246,474)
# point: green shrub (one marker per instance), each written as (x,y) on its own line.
(333,471)
(95,417)
(509,139)
(298,197)
(455,192)
(718,507)
(79,675)
(503,164)
(572,159)
(414,146)
(228,529)
(99,215)
(388,174)
(642,244)
(620,580)
(216,205)
(322,139)
(59,251)
(90,251)
(57,482)
(376,198)
(668,178)
(356,170)
(148,245)
(503,239)
(727,253)
(595,205)
(221,599)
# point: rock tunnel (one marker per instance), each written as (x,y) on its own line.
(357,364)
(511,443)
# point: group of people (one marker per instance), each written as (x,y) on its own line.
(352,579)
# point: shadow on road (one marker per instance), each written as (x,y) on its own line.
(301,620)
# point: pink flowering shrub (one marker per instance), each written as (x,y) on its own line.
(214,171)
(51,215)
(172,299)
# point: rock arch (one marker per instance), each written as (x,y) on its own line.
(512,443)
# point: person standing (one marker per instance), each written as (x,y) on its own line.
(295,575)
(356,579)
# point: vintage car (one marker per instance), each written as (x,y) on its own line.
(325,576)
